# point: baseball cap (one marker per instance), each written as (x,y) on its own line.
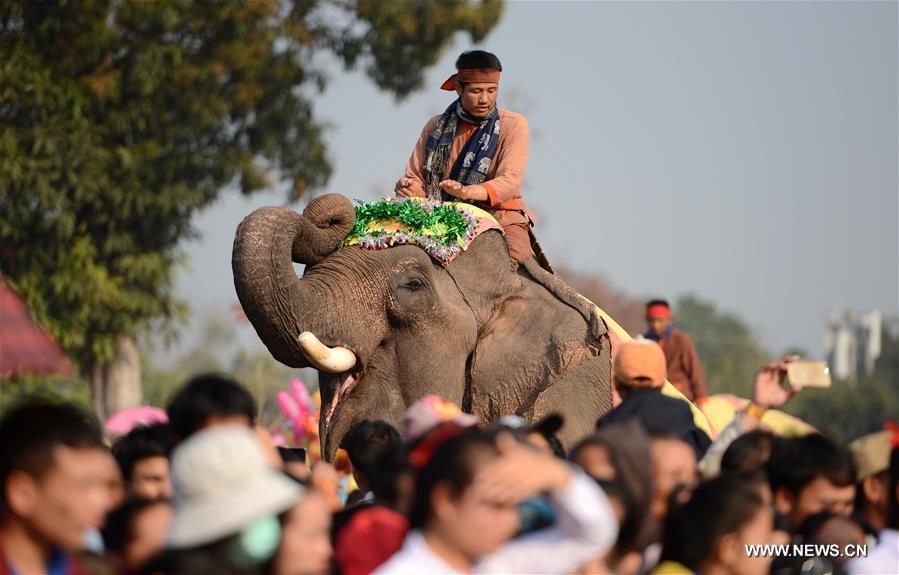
(641,363)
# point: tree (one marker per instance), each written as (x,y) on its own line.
(119,119)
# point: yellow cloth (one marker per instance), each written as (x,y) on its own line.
(720,410)
(473,210)
(671,568)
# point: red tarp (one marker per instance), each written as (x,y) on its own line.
(25,347)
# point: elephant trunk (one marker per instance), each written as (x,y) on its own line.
(272,296)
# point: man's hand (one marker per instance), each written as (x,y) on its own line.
(326,481)
(403,188)
(454,188)
(769,389)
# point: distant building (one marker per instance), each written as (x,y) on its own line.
(853,343)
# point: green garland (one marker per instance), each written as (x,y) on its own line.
(444,223)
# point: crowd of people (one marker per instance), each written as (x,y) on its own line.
(648,492)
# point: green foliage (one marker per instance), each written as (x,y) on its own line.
(119,120)
(70,390)
(850,410)
(399,39)
(445,223)
(729,351)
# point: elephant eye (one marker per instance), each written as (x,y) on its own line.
(411,296)
(414,284)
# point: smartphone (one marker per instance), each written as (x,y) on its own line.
(290,454)
(802,374)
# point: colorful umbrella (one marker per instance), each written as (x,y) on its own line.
(127,419)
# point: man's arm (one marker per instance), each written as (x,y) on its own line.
(412,184)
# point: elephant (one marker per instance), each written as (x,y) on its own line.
(387,327)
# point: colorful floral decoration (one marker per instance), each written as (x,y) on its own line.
(443,230)
(301,411)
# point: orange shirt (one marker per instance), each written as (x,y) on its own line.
(506,172)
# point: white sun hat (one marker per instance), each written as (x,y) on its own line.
(222,484)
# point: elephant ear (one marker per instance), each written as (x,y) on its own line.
(534,343)
(486,275)
(566,294)
(541,347)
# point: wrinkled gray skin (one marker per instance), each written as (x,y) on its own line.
(480,332)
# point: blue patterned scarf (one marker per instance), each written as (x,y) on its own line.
(474,160)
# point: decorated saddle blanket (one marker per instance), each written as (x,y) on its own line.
(442,229)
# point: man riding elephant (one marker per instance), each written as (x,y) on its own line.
(475,152)
(386,321)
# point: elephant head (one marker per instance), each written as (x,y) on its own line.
(386,327)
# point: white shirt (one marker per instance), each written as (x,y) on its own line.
(882,560)
(415,557)
(585,528)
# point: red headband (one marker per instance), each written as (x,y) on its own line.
(658,311)
(471,75)
(894,427)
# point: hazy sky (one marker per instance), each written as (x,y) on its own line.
(743,151)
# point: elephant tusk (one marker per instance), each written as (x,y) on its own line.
(324,358)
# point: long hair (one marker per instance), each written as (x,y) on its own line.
(718,507)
